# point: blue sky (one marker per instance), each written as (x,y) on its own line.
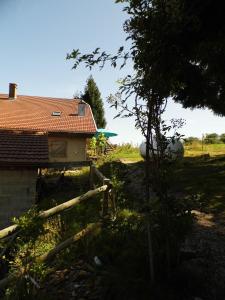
(37,35)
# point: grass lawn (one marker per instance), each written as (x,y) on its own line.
(126,152)
(196,149)
(203,180)
(198,176)
(130,153)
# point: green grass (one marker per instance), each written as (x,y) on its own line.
(202,181)
(202,177)
(126,152)
(131,153)
(197,149)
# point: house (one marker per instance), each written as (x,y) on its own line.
(37,132)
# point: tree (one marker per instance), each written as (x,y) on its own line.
(179,46)
(211,138)
(171,58)
(222,138)
(192,139)
(93,97)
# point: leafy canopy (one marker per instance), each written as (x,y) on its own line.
(179,46)
(178,51)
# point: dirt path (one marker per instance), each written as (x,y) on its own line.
(207,267)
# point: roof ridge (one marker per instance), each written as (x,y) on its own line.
(44,97)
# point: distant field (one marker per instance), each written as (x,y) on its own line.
(130,153)
(197,149)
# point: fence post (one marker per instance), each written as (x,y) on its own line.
(113,201)
(91,176)
(105,204)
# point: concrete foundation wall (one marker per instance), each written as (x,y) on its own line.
(17,193)
(69,149)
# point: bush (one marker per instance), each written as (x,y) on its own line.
(222,138)
(190,140)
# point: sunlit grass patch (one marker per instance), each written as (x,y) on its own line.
(127,151)
(197,149)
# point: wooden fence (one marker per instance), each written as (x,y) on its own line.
(109,194)
(108,201)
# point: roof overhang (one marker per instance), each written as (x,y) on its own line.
(72,134)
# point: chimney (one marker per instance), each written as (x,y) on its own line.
(12,91)
(81,108)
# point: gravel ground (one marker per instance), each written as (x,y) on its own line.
(79,282)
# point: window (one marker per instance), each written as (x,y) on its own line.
(56,113)
(58,149)
(81,109)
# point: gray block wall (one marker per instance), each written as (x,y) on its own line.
(17,193)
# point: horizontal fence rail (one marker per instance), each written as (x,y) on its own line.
(57,209)
(108,197)
(98,173)
(50,254)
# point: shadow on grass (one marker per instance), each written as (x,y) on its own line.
(203,179)
(200,179)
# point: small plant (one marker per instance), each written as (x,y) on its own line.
(97,145)
(101,144)
(35,237)
(93,145)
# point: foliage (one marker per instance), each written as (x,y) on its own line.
(180,53)
(93,145)
(93,97)
(34,238)
(222,137)
(190,140)
(98,145)
(211,138)
(122,246)
(156,77)
(208,138)
(101,142)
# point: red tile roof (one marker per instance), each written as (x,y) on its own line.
(23,147)
(35,113)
